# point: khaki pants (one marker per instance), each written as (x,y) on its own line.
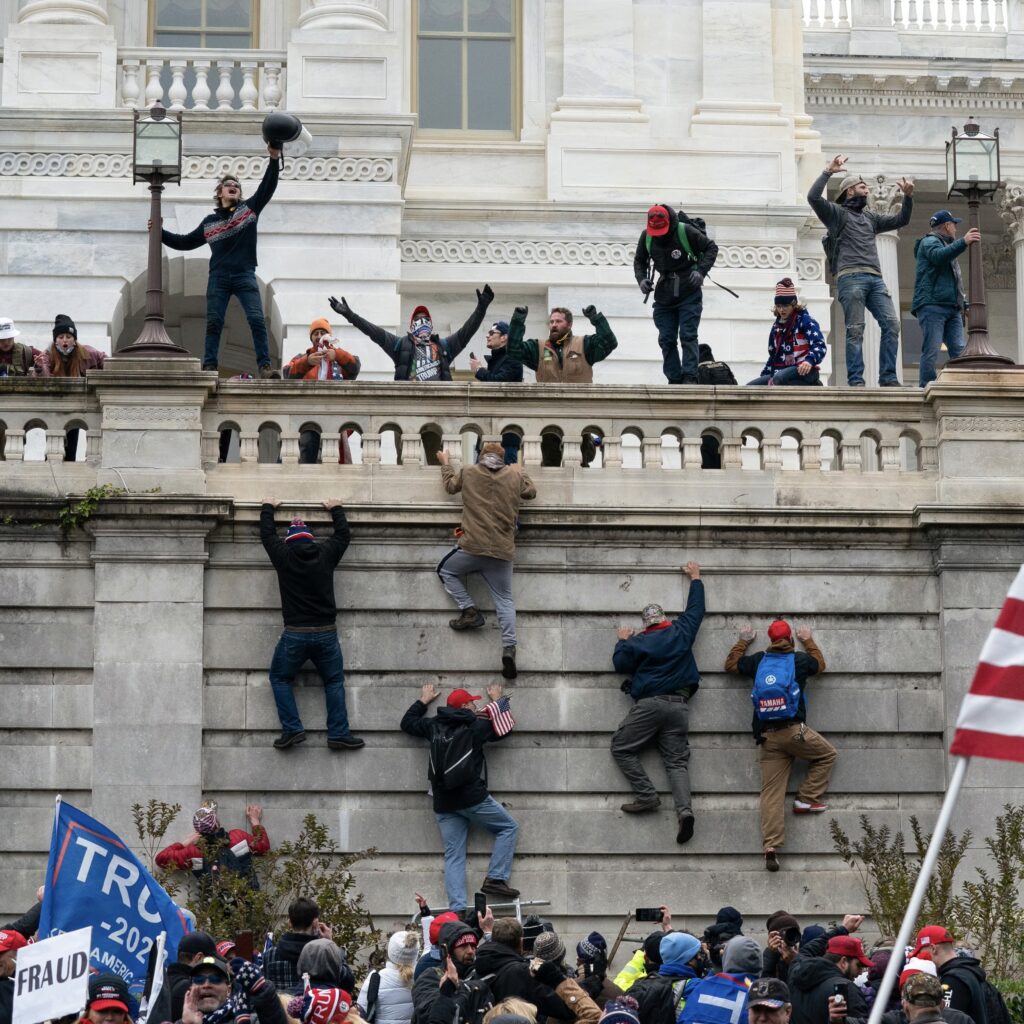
(776,756)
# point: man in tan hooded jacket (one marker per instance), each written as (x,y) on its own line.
(491,495)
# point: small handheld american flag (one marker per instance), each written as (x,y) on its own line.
(500,713)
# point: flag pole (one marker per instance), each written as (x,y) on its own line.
(917,896)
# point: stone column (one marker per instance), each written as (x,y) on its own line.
(319,15)
(885,199)
(1011,209)
(63,12)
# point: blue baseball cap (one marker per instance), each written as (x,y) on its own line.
(501,326)
(943,217)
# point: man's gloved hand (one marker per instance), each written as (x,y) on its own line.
(486,296)
(548,973)
(627,687)
(248,977)
(340,307)
(521,311)
(696,279)
(646,286)
(590,312)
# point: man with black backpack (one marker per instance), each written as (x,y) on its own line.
(852,256)
(780,726)
(458,779)
(964,984)
(678,248)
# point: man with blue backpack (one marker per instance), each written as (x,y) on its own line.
(780,674)
(662,995)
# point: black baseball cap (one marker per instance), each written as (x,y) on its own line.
(770,992)
(215,963)
(197,942)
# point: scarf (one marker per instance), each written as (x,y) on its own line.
(856,203)
(677,971)
(492,461)
(248,981)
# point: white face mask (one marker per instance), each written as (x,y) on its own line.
(65,348)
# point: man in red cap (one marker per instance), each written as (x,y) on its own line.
(780,726)
(108,1002)
(683,255)
(962,977)
(457,774)
(10,942)
(821,965)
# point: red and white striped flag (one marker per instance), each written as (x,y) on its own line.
(991,722)
(500,713)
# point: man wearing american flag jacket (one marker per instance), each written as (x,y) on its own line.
(458,783)
(796,345)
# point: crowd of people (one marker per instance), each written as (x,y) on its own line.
(474,968)
(673,260)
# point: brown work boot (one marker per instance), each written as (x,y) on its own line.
(499,887)
(639,806)
(771,860)
(469,619)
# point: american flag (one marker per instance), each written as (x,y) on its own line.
(991,722)
(500,713)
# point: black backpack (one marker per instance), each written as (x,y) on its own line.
(830,243)
(715,373)
(452,759)
(474,999)
(996,1010)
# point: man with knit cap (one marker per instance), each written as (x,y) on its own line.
(855,266)
(420,354)
(305,577)
(230,232)
(452,983)
(501,368)
(796,345)
(457,734)
(492,492)
(563,357)
(662,996)
(211,848)
(780,726)
(663,677)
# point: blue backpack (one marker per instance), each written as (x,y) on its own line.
(776,693)
(716,999)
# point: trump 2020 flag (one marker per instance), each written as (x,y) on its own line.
(991,722)
(92,878)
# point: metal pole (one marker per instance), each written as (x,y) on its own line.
(917,897)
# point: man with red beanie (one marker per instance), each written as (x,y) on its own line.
(780,726)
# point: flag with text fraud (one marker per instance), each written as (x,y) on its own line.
(93,878)
(991,722)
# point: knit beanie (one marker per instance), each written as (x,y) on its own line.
(64,325)
(403,948)
(785,292)
(205,820)
(652,947)
(434,931)
(320,1006)
(811,932)
(298,531)
(704,353)
(679,948)
(781,921)
(591,948)
(548,946)
(321,323)
(779,630)
(741,956)
(623,1010)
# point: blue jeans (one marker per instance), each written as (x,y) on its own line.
(938,324)
(292,652)
(454,826)
(219,289)
(857,292)
(789,375)
(682,321)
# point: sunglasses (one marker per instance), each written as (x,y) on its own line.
(209,979)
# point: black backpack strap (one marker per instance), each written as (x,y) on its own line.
(372,992)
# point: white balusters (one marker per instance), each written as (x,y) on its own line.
(371,449)
(248,93)
(131,88)
(827,13)
(154,87)
(949,15)
(225,90)
(271,82)
(176,91)
(201,90)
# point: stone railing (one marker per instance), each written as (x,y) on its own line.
(940,15)
(827,13)
(36,416)
(202,79)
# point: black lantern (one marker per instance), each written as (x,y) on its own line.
(157,148)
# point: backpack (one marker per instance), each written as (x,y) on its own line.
(996,1010)
(683,240)
(717,999)
(369,1013)
(476,1001)
(830,243)
(451,764)
(715,373)
(776,693)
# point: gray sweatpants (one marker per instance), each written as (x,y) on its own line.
(497,574)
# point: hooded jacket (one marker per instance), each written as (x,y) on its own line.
(490,507)
(512,977)
(671,260)
(936,281)
(501,368)
(963,978)
(811,980)
(797,339)
(305,570)
(415,723)
(660,659)
(425,990)
(280,963)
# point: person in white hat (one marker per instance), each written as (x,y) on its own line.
(16,359)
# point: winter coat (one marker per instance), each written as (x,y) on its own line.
(425,990)
(490,507)
(179,856)
(660,659)
(280,963)
(635,969)
(305,571)
(671,260)
(963,979)
(344,365)
(512,977)
(811,982)
(936,282)
(19,360)
(949,1015)
(661,997)
(93,360)
(595,347)
(415,723)
(579,1002)
(793,342)
(394,997)
(501,368)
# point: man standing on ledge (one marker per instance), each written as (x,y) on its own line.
(563,357)
(230,232)
(305,575)
(853,260)
(663,678)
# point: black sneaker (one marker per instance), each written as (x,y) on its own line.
(210,366)
(469,619)
(289,739)
(508,662)
(268,373)
(771,860)
(685,833)
(499,887)
(641,806)
(889,384)
(348,742)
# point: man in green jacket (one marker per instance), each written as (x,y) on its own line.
(939,299)
(563,357)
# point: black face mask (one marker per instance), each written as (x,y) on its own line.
(856,203)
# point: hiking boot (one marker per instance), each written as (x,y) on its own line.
(289,739)
(799,807)
(889,384)
(508,662)
(639,806)
(685,833)
(348,742)
(771,860)
(469,619)
(499,887)
(210,366)
(269,373)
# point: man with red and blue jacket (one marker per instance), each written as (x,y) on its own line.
(796,345)
(663,678)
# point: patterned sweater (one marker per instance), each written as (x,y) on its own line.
(231,234)
(793,341)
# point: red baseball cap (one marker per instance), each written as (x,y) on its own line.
(10,940)
(224,948)
(779,630)
(460,698)
(434,931)
(931,935)
(658,221)
(847,945)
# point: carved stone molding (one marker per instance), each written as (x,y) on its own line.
(810,269)
(755,257)
(884,197)
(999,265)
(133,415)
(985,424)
(1011,209)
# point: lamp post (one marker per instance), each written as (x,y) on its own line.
(972,171)
(156,158)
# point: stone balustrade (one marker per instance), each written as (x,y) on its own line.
(201,80)
(937,15)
